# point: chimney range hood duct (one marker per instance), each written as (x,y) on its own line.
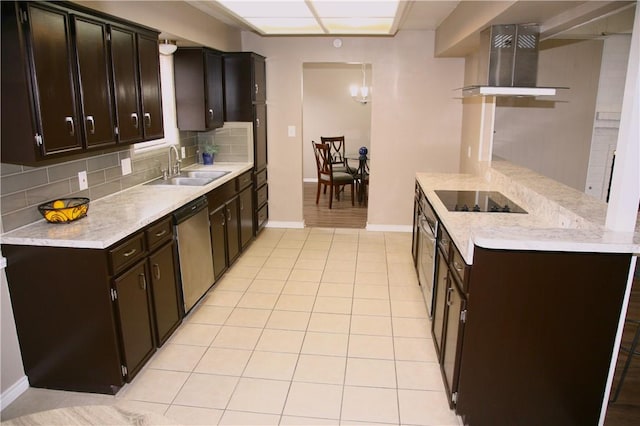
(508,62)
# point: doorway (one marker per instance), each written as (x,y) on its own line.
(329,110)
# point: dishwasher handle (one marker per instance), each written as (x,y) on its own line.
(189,209)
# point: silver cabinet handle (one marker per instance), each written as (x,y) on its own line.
(72,130)
(449,291)
(257,122)
(156,269)
(92,123)
(143,282)
(161,233)
(210,114)
(129,253)
(147,119)
(134,117)
(457,266)
(257,88)
(228,214)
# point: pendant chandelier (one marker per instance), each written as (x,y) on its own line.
(361,94)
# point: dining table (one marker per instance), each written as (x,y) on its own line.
(362,172)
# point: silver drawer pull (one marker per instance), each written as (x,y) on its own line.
(161,233)
(156,269)
(257,89)
(130,252)
(147,119)
(72,127)
(449,291)
(211,114)
(143,282)
(134,118)
(92,123)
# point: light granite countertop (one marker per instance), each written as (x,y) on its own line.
(119,215)
(558,218)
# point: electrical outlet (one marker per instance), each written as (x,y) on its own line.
(82,180)
(292,131)
(183,152)
(125,163)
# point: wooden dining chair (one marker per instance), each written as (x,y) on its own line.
(337,148)
(328,177)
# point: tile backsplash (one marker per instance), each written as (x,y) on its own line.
(23,188)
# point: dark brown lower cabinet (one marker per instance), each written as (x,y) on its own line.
(133,313)
(88,319)
(218,223)
(539,336)
(246,216)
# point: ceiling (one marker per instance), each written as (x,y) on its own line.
(568,19)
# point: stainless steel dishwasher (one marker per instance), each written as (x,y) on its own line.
(191,224)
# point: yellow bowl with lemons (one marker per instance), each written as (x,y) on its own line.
(64,210)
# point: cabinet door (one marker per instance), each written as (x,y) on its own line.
(126,85)
(260,137)
(246,216)
(164,291)
(214,95)
(218,222)
(440,303)
(452,338)
(149,64)
(54,80)
(233,229)
(134,317)
(259,80)
(95,83)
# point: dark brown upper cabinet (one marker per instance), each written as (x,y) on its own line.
(199,89)
(67,86)
(149,63)
(244,85)
(98,123)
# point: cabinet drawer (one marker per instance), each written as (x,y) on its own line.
(220,195)
(261,178)
(127,252)
(444,241)
(262,195)
(159,233)
(460,268)
(263,215)
(244,180)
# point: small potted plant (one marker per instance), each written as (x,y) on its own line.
(209,149)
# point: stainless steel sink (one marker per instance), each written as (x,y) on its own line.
(190,178)
(213,174)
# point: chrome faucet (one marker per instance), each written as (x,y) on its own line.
(174,169)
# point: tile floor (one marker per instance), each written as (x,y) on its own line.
(309,326)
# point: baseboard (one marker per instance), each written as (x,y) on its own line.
(279,224)
(14,391)
(389,228)
(310,180)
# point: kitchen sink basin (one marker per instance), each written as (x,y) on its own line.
(212,174)
(190,178)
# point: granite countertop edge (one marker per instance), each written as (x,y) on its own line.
(558,229)
(116,216)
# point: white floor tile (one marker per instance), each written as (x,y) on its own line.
(223,361)
(305,421)
(419,375)
(302,288)
(206,391)
(280,341)
(325,344)
(370,404)
(258,300)
(332,305)
(371,325)
(371,307)
(295,302)
(271,365)
(314,400)
(371,372)
(245,317)
(243,418)
(195,334)
(177,357)
(266,286)
(330,323)
(155,386)
(411,327)
(259,396)
(375,347)
(222,298)
(425,408)
(414,349)
(206,314)
(194,415)
(288,320)
(335,290)
(320,369)
(237,337)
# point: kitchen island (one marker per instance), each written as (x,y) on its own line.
(527,330)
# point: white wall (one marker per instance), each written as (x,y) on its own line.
(329,110)
(415,115)
(553,138)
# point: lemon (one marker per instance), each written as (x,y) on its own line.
(58,204)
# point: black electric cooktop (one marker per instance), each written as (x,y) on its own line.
(478,201)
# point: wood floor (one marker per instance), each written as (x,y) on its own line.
(626,410)
(341,215)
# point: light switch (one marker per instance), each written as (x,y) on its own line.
(82,180)
(125,163)
(292,131)
(183,152)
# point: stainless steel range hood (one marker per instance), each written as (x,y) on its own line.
(508,62)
